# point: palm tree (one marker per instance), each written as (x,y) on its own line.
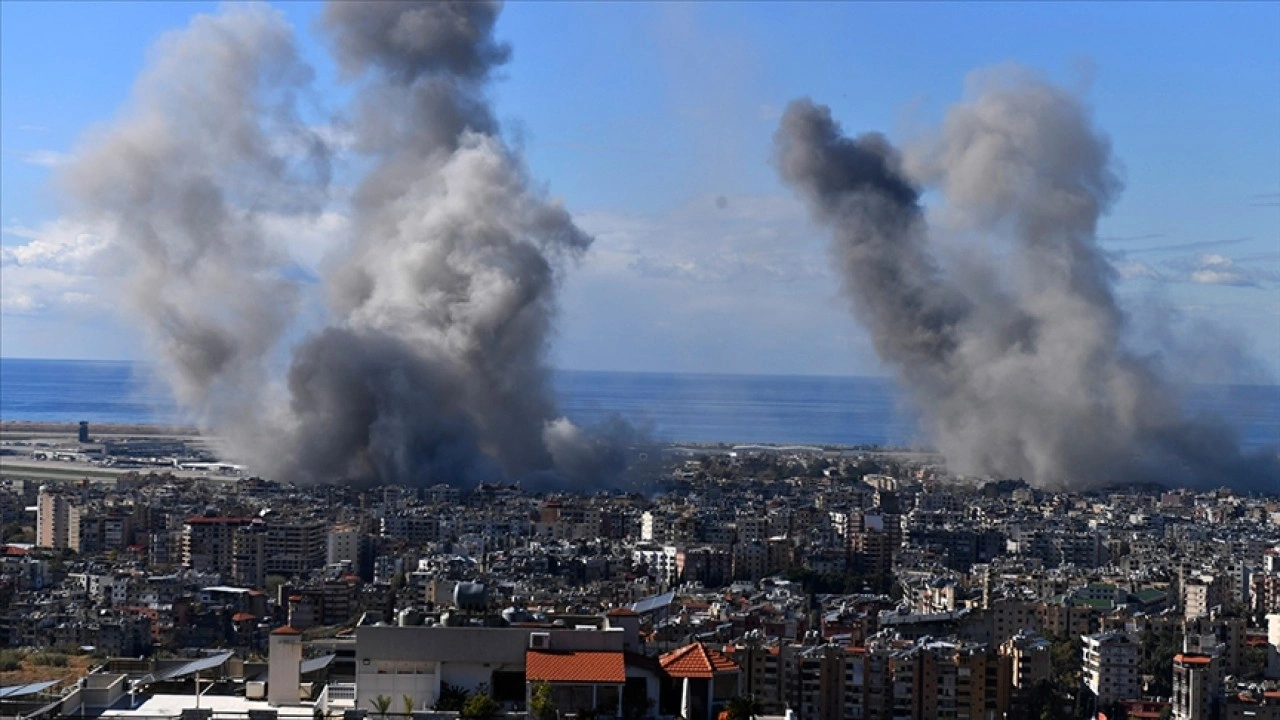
(382,704)
(744,707)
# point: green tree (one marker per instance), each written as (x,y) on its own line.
(1158,649)
(541,705)
(10,660)
(1064,661)
(480,706)
(744,707)
(408,704)
(273,583)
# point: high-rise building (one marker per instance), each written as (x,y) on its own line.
(1197,685)
(295,546)
(249,556)
(57,520)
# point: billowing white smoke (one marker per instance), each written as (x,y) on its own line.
(181,182)
(431,367)
(1014,353)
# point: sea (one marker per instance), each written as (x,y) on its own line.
(672,407)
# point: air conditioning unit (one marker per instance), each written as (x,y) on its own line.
(540,641)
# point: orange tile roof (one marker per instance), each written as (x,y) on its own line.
(697,661)
(1192,659)
(579,666)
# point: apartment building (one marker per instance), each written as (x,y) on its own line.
(295,546)
(57,520)
(1111,666)
(208,543)
(1029,659)
(1197,686)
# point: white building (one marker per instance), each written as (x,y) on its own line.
(1273,646)
(1111,666)
(418,662)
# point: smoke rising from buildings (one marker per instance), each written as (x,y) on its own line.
(998,312)
(431,367)
(209,143)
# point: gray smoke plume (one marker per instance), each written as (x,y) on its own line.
(431,367)
(209,145)
(435,367)
(1014,353)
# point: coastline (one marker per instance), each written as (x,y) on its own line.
(15,428)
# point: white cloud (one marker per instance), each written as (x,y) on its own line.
(26,290)
(62,244)
(1136,270)
(46,158)
(1214,269)
(55,269)
(740,286)
(1203,269)
(66,264)
(711,239)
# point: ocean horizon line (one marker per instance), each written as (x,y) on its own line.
(681,373)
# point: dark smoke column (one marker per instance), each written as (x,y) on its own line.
(434,367)
(1013,350)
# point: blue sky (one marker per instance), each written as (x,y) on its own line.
(640,116)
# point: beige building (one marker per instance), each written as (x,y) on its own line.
(295,547)
(57,521)
(1029,658)
(1200,594)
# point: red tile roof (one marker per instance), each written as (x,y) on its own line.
(1192,659)
(581,666)
(286,630)
(697,661)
